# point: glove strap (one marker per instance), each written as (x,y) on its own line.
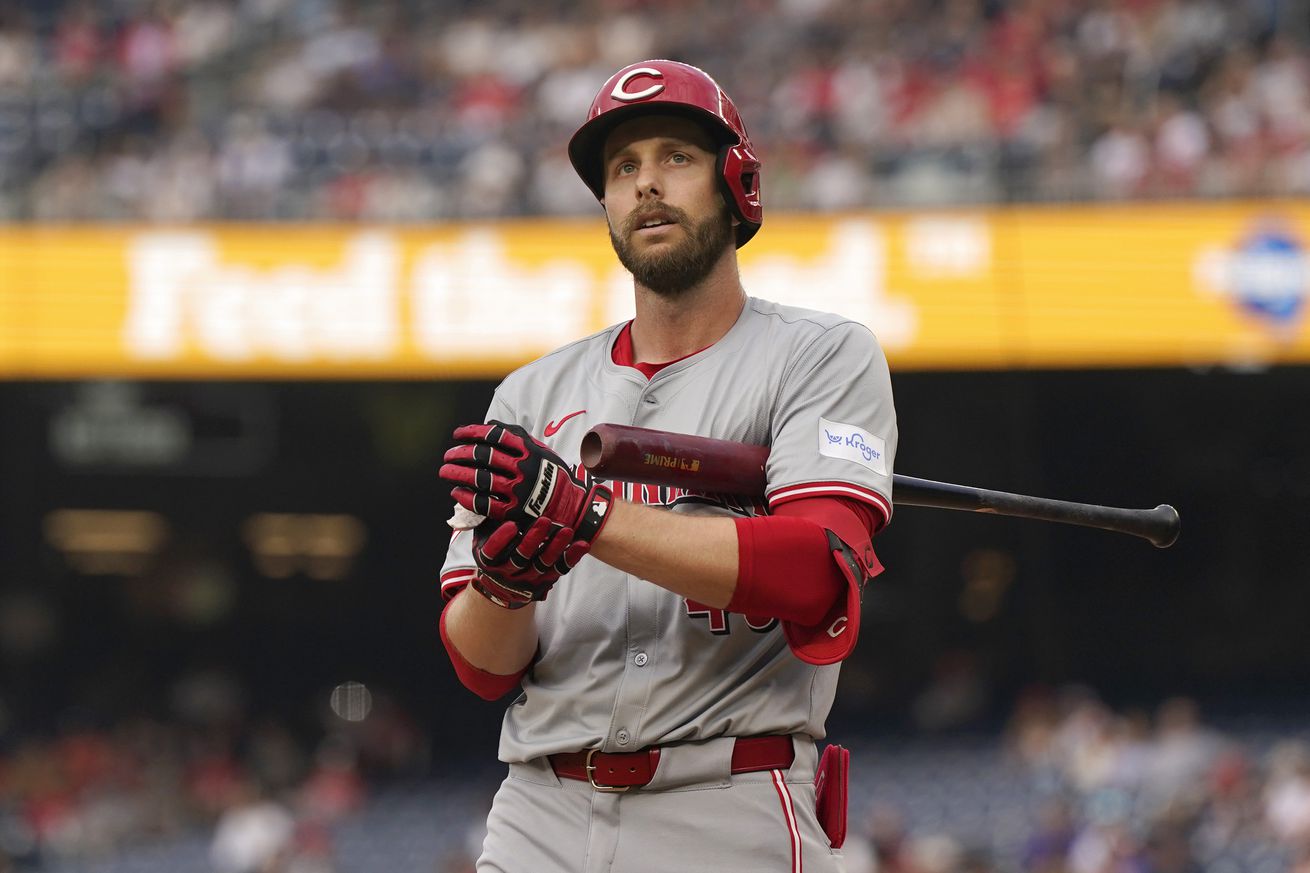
(599,502)
(501,594)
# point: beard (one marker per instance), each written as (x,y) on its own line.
(671,272)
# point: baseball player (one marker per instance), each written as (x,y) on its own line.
(676,653)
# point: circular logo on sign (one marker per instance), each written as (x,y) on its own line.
(1269,273)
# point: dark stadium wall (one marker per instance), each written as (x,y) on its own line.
(988,605)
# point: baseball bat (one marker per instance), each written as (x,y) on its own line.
(656,457)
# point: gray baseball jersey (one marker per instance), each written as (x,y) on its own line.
(623,663)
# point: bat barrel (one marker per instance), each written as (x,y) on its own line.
(638,454)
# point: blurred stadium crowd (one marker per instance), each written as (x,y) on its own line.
(261,793)
(1076,786)
(178,110)
(1072,786)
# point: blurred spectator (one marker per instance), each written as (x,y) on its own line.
(1183,753)
(78,43)
(1120,160)
(334,788)
(457,862)
(1107,844)
(254,835)
(936,853)
(18,51)
(1182,144)
(1169,850)
(1287,794)
(1047,847)
(1233,809)
(883,845)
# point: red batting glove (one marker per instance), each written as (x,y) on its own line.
(519,566)
(502,472)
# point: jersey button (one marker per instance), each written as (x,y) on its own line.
(651,398)
(623,737)
(640,659)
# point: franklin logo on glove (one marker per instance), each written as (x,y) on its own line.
(541,491)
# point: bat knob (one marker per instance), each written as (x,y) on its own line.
(1168,525)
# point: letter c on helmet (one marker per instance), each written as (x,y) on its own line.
(621,91)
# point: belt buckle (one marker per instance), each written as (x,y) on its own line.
(591,776)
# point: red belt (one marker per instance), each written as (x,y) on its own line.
(619,771)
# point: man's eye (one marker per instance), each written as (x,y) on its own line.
(625,168)
(679,158)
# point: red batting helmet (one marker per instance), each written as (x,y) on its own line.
(659,86)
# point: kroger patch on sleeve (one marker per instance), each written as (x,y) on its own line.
(852,443)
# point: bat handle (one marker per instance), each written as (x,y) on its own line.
(1159,526)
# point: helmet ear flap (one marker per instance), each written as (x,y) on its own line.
(738,172)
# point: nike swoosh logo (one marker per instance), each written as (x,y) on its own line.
(552,428)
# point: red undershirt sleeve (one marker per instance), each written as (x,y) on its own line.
(488,686)
(778,551)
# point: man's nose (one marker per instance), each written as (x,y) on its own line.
(649,184)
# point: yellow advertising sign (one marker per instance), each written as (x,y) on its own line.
(1091,286)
